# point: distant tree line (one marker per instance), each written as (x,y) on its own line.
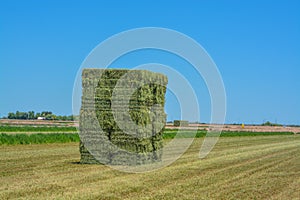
(32,115)
(271,124)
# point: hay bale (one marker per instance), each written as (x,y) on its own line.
(181,123)
(104,95)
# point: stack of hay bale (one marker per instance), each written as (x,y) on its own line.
(122,116)
(181,123)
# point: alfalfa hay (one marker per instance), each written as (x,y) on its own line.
(122,116)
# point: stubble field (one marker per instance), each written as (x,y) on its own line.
(256,167)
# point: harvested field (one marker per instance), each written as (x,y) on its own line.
(247,128)
(17,122)
(257,167)
(226,127)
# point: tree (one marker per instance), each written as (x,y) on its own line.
(21,115)
(45,113)
(37,115)
(11,115)
(70,118)
(31,115)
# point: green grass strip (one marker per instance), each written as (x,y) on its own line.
(36,129)
(39,138)
(170,134)
(244,133)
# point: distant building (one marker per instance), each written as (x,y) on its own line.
(41,118)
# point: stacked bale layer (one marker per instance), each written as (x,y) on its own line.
(117,131)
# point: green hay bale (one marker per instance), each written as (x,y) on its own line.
(100,87)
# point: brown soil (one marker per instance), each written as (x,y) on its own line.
(37,122)
(226,127)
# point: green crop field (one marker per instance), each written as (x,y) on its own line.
(256,167)
(171,133)
(37,138)
(9,128)
(58,136)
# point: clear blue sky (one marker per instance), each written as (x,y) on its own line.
(255,44)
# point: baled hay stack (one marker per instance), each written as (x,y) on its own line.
(122,116)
